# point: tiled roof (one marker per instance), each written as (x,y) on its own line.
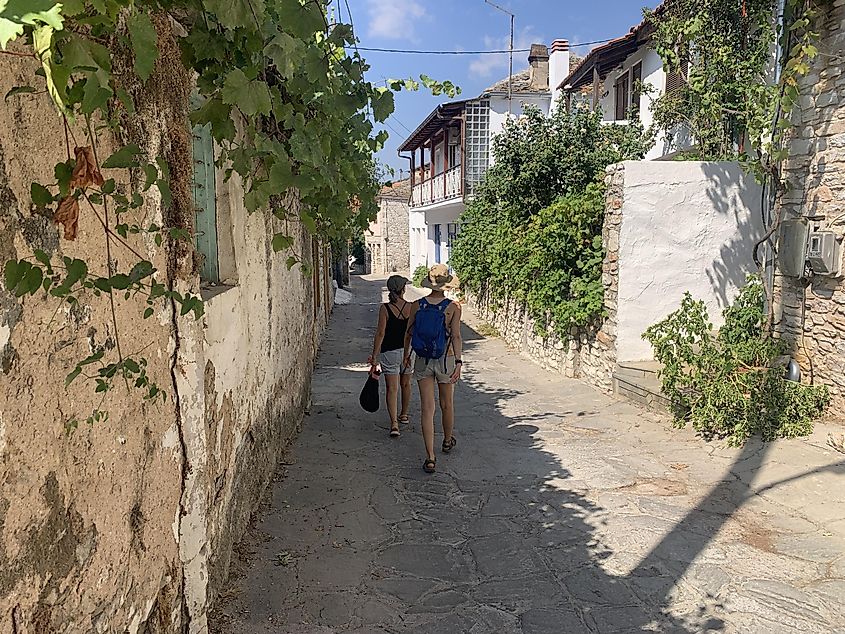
(399,190)
(521,84)
(522,80)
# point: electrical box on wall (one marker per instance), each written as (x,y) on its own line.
(792,247)
(824,253)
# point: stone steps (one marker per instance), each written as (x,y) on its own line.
(638,382)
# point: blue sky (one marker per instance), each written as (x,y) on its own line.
(470,25)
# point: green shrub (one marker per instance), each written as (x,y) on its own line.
(730,384)
(533,229)
(419,275)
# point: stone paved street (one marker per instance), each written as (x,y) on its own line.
(561,510)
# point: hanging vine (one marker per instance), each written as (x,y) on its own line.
(278,82)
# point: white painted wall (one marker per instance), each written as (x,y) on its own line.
(686,226)
(418,238)
(499,112)
(654,77)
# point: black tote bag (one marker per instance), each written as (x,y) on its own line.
(369,394)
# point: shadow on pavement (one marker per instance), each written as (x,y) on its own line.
(503,538)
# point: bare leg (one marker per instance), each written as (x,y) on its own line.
(391,396)
(427,417)
(447,408)
(405,383)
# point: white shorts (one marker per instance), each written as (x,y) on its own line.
(391,363)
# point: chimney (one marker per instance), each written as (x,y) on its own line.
(538,60)
(558,67)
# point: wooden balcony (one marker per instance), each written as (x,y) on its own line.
(447,185)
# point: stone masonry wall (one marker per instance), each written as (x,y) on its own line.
(588,353)
(397,256)
(815,327)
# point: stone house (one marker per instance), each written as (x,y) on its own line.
(809,289)
(387,236)
(127,524)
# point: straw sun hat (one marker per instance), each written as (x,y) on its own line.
(439,279)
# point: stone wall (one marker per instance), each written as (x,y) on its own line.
(588,353)
(397,256)
(811,317)
(127,525)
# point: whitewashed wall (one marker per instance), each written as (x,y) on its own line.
(499,111)
(686,226)
(418,238)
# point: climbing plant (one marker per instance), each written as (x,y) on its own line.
(730,384)
(279,83)
(733,98)
(533,230)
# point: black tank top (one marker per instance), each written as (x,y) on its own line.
(394,334)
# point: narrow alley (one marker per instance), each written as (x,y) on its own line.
(561,510)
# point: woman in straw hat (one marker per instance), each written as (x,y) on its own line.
(387,351)
(434,333)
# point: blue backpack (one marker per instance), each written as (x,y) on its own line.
(429,339)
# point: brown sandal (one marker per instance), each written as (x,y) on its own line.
(394,431)
(449,445)
(429,465)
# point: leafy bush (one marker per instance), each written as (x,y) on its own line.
(533,230)
(730,384)
(419,275)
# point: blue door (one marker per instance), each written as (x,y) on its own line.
(437,244)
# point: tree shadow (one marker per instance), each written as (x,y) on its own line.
(505,537)
(735,194)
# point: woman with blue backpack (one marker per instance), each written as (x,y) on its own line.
(434,335)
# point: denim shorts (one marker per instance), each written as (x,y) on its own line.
(391,363)
(441,369)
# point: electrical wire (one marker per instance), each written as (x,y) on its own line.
(407,51)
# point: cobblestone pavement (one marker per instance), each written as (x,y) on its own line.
(561,510)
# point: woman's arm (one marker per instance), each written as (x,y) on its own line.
(380,330)
(457,342)
(409,331)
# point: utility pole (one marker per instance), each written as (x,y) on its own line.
(510,56)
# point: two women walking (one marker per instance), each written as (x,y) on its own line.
(430,346)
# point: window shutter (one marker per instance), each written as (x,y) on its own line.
(676,79)
(622,97)
(636,81)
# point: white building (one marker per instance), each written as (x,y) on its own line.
(450,149)
(622,78)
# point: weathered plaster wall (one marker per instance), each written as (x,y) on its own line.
(686,226)
(259,349)
(815,328)
(128,525)
(87,515)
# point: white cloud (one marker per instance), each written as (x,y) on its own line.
(486,65)
(394,20)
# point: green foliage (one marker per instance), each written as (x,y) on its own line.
(533,230)
(728,101)
(730,384)
(420,273)
(287,103)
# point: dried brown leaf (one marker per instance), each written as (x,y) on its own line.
(67,215)
(86,172)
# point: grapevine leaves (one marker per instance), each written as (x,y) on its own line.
(142,33)
(252,97)
(16,14)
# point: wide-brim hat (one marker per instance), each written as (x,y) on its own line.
(395,283)
(440,279)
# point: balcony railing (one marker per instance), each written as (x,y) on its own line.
(443,186)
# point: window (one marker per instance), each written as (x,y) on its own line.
(622,97)
(636,89)
(437,239)
(205,203)
(676,79)
(477,142)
